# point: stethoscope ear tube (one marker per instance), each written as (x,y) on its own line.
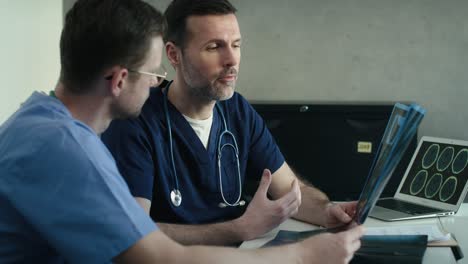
(224,205)
(176,196)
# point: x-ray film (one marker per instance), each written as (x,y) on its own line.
(402,127)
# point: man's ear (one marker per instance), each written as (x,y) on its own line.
(117,77)
(173,53)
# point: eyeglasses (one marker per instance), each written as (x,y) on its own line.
(159,77)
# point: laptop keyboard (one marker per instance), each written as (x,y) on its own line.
(406,207)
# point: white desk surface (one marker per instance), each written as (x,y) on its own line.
(456,225)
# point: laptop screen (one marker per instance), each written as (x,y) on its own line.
(438,171)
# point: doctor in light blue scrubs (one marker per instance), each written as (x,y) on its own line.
(62,199)
(187,157)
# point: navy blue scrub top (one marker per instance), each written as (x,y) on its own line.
(141,148)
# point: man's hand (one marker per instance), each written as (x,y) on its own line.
(263,214)
(339,213)
(331,248)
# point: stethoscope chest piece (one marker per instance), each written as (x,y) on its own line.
(176,198)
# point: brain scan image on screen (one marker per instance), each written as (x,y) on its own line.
(439,172)
(445,158)
(433,185)
(417,185)
(430,156)
(448,188)
(460,161)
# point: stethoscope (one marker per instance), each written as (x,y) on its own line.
(176,196)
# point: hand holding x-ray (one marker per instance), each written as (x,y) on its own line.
(401,128)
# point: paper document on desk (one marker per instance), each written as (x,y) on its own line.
(433,232)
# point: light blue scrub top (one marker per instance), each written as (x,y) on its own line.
(62,198)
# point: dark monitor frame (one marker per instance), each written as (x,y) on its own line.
(320,143)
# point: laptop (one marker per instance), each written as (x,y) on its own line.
(435,182)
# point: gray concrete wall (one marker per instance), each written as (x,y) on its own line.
(359,51)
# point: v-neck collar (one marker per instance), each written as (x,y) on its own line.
(181,128)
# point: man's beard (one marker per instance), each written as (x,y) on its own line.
(215,91)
